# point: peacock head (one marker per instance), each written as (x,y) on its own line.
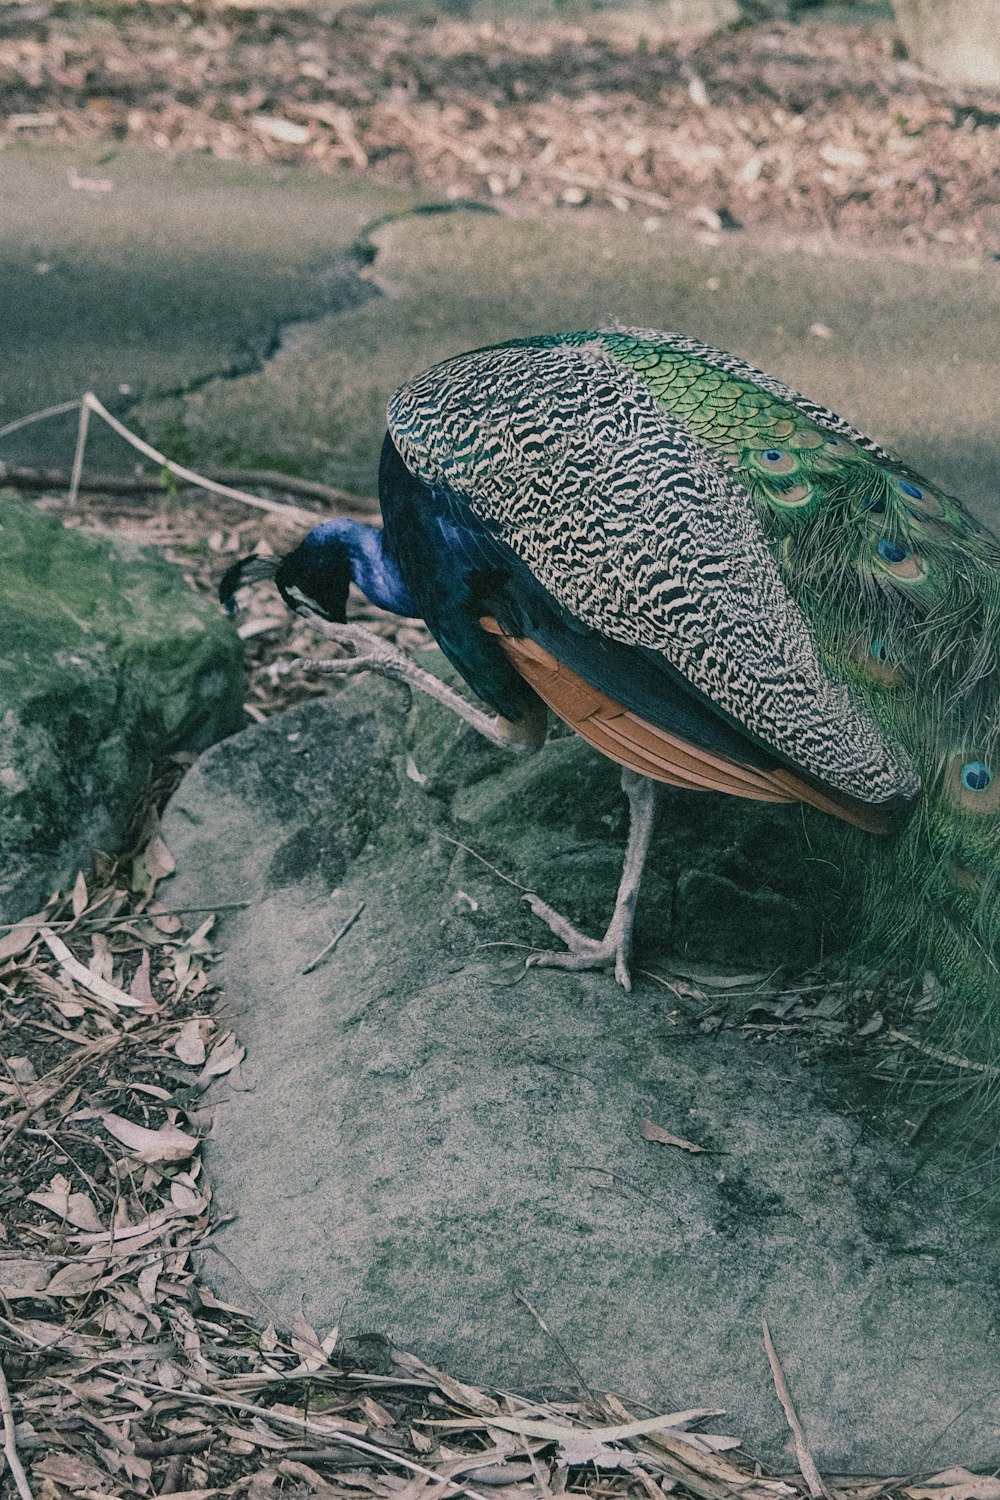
(312,579)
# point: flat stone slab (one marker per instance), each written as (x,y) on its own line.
(424,1129)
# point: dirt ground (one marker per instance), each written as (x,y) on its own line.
(796,127)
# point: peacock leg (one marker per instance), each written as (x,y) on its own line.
(615,948)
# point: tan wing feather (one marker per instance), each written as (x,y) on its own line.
(629,740)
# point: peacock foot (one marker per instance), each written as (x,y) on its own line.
(582,952)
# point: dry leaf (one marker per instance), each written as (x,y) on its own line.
(80,896)
(653,1132)
(77,1208)
(956,1484)
(222,1058)
(189,1045)
(561,1432)
(166,1144)
(306,1343)
(20,936)
(578,1448)
(376,1414)
(140,989)
(109,994)
(186,1200)
(22,1278)
(78,1277)
(71,1469)
(158,859)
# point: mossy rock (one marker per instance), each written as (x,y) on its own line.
(107,661)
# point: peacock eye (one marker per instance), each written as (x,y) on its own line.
(807,437)
(873,503)
(976,776)
(879,650)
(914,492)
(891,551)
(777,461)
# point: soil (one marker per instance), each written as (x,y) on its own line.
(794,126)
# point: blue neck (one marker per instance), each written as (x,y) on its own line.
(373,567)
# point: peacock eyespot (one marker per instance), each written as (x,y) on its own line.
(877,663)
(976,776)
(798,495)
(900,563)
(807,437)
(776,461)
(919,501)
(974,785)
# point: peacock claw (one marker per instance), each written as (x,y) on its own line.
(582,952)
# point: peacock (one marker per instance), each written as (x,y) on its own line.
(720,585)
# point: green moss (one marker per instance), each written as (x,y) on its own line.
(107,660)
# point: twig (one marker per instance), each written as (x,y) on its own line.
(807,1464)
(374,654)
(81,448)
(315,963)
(9,1441)
(166,911)
(31,477)
(39,416)
(610,187)
(952,1059)
(498,873)
(90,403)
(571,1362)
(60,1076)
(300,1425)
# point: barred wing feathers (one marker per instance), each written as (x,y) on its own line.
(645,535)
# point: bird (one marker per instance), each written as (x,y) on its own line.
(720,585)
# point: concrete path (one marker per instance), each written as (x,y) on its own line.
(175,272)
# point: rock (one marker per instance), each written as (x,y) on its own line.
(958,39)
(107,661)
(423,1128)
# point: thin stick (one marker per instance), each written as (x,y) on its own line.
(39,416)
(299,1424)
(807,1464)
(571,1362)
(29,477)
(498,873)
(951,1059)
(9,1441)
(81,447)
(142,916)
(292,512)
(375,654)
(334,941)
